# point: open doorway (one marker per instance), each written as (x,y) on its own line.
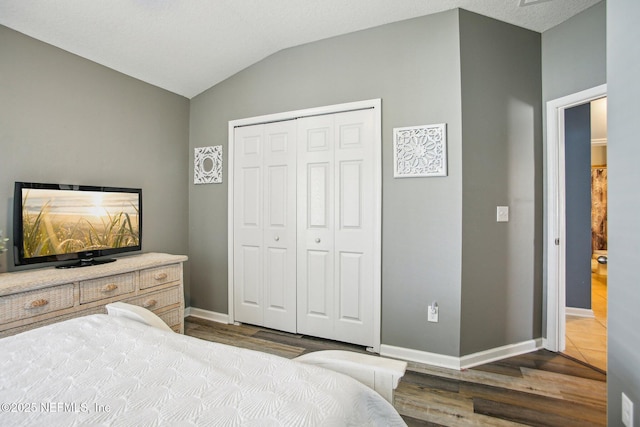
(556,217)
(586,232)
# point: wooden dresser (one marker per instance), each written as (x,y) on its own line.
(33,298)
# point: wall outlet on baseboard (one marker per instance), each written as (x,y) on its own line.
(627,411)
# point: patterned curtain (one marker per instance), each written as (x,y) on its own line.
(598,208)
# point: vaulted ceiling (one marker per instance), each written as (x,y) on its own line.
(187,46)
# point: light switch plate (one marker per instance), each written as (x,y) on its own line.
(502,214)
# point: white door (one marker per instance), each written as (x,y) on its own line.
(264,225)
(336,220)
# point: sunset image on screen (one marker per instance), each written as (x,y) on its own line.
(66,221)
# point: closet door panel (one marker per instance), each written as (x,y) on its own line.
(350,287)
(250,291)
(251,193)
(248,224)
(318,285)
(350,190)
(277,178)
(354,232)
(335,219)
(316,275)
(317,203)
(275,279)
(279,233)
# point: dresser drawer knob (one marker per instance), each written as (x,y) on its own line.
(160,276)
(149,303)
(36,304)
(109,288)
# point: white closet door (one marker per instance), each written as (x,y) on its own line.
(316,226)
(279,234)
(264,225)
(248,224)
(336,219)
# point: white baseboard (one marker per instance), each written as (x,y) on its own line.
(499,353)
(206,314)
(434,359)
(464,362)
(419,356)
(579,312)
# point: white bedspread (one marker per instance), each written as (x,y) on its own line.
(114,371)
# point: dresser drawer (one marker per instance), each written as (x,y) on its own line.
(157,300)
(171,318)
(160,275)
(13,331)
(106,287)
(30,304)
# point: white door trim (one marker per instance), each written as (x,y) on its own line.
(555,213)
(376,104)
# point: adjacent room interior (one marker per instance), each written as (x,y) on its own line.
(586,327)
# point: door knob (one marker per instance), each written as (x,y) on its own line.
(277,238)
(317,240)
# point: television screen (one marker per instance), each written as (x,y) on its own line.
(54,222)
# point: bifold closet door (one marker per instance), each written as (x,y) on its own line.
(336,211)
(265,225)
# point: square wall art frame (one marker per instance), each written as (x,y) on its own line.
(420,151)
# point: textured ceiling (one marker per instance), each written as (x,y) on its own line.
(187,46)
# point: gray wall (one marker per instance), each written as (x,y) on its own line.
(64,119)
(573,54)
(573,59)
(414,67)
(577,128)
(501,159)
(623,69)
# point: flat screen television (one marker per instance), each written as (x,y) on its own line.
(58,222)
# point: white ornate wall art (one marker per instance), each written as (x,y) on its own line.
(420,151)
(207,165)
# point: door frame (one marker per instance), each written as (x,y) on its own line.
(374,104)
(556,214)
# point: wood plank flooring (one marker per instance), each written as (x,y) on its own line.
(535,389)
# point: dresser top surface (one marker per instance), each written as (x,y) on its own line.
(21,281)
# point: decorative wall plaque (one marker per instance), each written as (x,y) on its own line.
(207,165)
(420,151)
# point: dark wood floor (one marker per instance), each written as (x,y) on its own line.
(535,389)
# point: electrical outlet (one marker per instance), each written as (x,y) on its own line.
(627,411)
(433,313)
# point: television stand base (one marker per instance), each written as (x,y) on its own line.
(87,263)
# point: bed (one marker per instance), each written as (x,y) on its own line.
(115,370)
